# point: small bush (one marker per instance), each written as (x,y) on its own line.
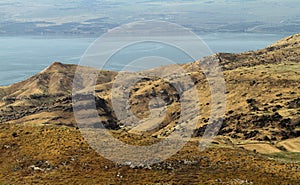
(14,134)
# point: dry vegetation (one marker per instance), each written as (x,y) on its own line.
(257,144)
(59,155)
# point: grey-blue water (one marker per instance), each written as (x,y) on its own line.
(22,57)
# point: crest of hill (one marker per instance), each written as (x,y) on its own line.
(55,79)
(58,77)
(262,101)
(285,50)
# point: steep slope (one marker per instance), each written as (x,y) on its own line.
(285,50)
(46,98)
(262,117)
(57,79)
(262,95)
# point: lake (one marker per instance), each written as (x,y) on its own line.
(22,57)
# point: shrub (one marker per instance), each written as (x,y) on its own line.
(14,134)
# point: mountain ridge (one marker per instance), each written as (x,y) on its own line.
(258,142)
(51,89)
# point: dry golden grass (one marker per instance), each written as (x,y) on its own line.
(61,156)
(292,145)
(262,115)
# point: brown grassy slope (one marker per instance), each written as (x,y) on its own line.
(262,104)
(59,155)
(48,92)
(285,50)
(57,79)
(262,94)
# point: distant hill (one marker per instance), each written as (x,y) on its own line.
(262,95)
(262,98)
(258,142)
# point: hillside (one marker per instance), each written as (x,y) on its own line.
(262,94)
(262,115)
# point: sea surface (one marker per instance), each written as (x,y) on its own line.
(24,56)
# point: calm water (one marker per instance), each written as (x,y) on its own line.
(22,57)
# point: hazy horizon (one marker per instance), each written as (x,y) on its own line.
(36,33)
(90,17)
